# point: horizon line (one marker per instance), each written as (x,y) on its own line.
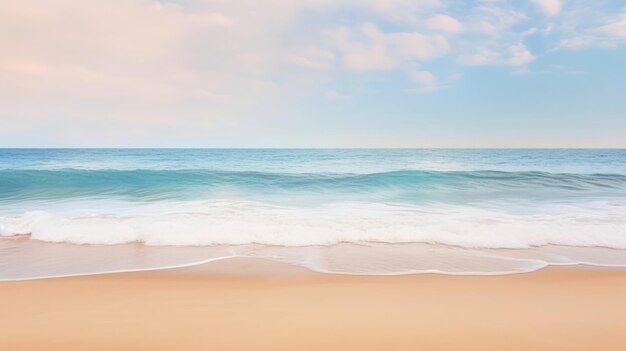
(313,148)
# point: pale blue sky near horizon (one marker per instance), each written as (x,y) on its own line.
(313,73)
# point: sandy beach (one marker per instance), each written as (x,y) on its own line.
(374,175)
(247,304)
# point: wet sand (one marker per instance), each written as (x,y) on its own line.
(253,304)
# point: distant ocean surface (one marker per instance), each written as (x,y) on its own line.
(353,211)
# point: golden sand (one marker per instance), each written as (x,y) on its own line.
(245,304)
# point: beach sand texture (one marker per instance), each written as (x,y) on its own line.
(248,304)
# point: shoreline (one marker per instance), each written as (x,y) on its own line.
(26,259)
(244,303)
(583,266)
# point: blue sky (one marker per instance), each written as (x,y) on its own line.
(313,73)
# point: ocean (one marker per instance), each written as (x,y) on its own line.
(349,211)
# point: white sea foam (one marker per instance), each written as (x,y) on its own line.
(238,223)
(342,238)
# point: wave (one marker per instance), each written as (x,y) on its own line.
(337,211)
(244,222)
(410,186)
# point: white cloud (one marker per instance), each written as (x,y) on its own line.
(361,57)
(492,19)
(607,35)
(444,23)
(369,48)
(549,7)
(586,41)
(513,55)
(518,55)
(577,42)
(417,46)
(529,32)
(313,57)
(479,58)
(616,27)
(497,36)
(423,77)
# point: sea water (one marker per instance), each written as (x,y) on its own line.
(352,211)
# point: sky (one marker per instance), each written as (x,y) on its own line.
(313,73)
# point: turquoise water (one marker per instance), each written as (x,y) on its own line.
(295,177)
(585,161)
(465,198)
